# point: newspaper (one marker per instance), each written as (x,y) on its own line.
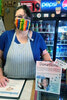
(13,88)
(48,77)
(61,63)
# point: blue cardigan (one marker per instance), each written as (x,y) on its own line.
(37,45)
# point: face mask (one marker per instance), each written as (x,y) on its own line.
(22,24)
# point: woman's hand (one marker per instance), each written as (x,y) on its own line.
(3,81)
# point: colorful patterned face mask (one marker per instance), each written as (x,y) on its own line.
(22,24)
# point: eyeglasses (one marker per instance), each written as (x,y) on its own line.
(23,16)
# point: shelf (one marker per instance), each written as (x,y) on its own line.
(49,45)
(61,56)
(46,32)
(62,42)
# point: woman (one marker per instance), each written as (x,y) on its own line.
(21,48)
(44,84)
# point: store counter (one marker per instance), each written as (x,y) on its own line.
(29,93)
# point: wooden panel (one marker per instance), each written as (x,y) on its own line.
(9,8)
(33,91)
(9,18)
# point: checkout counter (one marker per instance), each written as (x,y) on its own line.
(29,93)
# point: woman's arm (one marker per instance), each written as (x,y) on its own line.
(1,72)
(3,79)
(46,56)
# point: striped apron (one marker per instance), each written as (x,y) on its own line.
(20,62)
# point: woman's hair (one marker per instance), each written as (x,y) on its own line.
(26,9)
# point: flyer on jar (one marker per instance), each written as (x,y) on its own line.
(13,88)
(48,77)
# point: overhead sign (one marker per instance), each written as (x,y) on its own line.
(54,7)
(64,4)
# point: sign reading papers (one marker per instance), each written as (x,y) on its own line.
(48,77)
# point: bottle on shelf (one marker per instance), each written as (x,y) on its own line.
(47,37)
(32,26)
(65,50)
(36,26)
(61,50)
(51,37)
(40,26)
(52,28)
(50,50)
(58,51)
(62,37)
(48,27)
(44,27)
